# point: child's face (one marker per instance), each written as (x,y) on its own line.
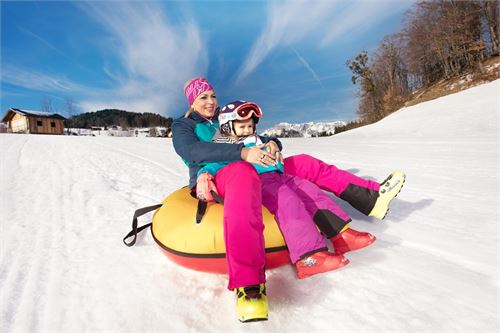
(243,127)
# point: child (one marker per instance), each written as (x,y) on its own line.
(299,206)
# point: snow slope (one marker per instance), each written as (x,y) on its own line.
(67,202)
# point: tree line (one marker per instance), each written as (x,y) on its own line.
(110,117)
(440,39)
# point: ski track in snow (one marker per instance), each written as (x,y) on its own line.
(67,202)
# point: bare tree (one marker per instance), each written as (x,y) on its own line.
(490,11)
(70,107)
(70,112)
(444,38)
(370,106)
(46,104)
(390,72)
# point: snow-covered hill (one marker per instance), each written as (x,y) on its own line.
(306,130)
(67,202)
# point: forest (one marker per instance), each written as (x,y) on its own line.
(440,40)
(125,119)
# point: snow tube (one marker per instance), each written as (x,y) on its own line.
(200,246)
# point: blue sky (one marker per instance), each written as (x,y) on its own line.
(288,56)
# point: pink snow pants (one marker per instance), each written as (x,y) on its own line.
(327,177)
(294,201)
(239,184)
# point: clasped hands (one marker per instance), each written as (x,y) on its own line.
(270,156)
(205,186)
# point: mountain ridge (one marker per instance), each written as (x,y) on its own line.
(303,130)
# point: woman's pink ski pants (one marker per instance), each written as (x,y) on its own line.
(239,184)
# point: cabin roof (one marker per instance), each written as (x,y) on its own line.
(31,113)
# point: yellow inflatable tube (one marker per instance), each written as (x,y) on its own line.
(201,246)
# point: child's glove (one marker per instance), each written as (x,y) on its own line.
(204,187)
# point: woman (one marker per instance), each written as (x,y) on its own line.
(239,184)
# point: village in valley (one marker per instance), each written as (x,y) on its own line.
(115,130)
(43,122)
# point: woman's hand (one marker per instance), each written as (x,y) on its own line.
(274,150)
(257,156)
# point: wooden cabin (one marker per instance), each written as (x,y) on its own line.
(33,122)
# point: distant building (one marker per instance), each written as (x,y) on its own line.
(3,127)
(113,130)
(157,131)
(141,132)
(34,122)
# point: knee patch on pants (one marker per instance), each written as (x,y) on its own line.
(361,198)
(329,223)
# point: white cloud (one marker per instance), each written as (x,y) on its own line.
(35,80)
(42,40)
(157,56)
(308,67)
(287,23)
(324,21)
(359,16)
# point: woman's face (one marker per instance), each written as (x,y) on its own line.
(205,104)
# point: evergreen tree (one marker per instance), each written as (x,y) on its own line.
(124,119)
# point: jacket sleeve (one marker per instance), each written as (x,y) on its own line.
(266,139)
(192,150)
(211,168)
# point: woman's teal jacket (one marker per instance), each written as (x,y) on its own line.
(192,138)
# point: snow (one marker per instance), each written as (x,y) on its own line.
(67,202)
(37,113)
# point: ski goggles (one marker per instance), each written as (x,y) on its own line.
(247,110)
(239,111)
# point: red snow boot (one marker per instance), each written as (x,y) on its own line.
(319,262)
(351,240)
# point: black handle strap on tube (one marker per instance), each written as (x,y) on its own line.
(200,210)
(202,206)
(135,230)
(217,197)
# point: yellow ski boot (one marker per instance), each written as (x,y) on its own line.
(252,304)
(389,189)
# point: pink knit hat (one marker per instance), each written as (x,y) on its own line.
(195,88)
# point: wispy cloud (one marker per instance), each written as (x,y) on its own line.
(360,16)
(323,21)
(287,23)
(308,67)
(34,80)
(42,40)
(157,56)
(15,94)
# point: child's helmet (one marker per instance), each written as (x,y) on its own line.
(237,110)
